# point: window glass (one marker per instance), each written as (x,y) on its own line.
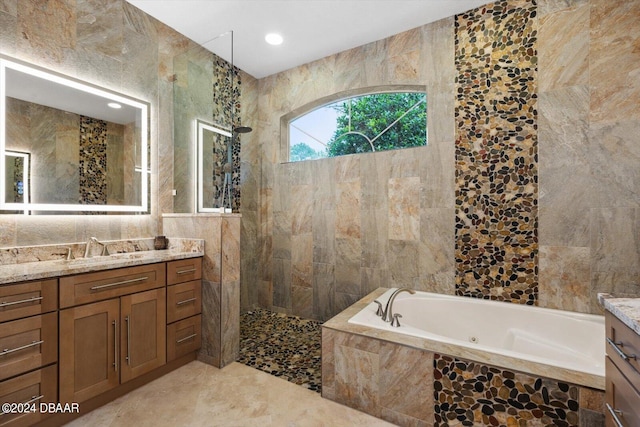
(373,122)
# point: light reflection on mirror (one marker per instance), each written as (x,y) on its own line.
(212,193)
(85,156)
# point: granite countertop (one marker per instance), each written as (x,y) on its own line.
(625,308)
(20,272)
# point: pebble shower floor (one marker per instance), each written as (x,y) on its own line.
(282,345)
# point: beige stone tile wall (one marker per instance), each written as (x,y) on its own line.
(331,230)
(387,380)
(367,228)
(114,45)
(589,158)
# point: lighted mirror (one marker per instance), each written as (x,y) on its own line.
(213,188)
(87,147)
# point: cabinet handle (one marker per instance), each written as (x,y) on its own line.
(22,301)
(115,345)
(33,399)
(190,270)
(614,414)
(123,282)
(128,358)
(180,341)
(616,346)
(185,301)
(13,350)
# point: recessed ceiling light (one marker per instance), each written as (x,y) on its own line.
(273,39)
(114,105)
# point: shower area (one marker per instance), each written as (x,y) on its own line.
(208,134)
(207,128)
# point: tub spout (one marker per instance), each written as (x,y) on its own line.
(387,315)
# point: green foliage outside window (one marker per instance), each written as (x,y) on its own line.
(375,122)
(371,115)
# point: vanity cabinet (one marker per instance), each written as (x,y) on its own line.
(184,305)
(93,336)
(110,342)
(28,347)
(622,374)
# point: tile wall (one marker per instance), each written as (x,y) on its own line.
(114,45)
(326,232)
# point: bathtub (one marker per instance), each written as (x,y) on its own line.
(550,343)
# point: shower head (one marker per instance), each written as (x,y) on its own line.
(242,129)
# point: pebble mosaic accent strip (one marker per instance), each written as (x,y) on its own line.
(226,95)
(93,161)
(496,152)
(284,346)
(470,394)
(18,183)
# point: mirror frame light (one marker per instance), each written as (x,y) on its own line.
(74,84)
(200,128)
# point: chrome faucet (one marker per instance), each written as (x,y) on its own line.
(87,249)
(387,314)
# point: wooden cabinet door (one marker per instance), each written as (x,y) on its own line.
(88,350)
(143,338)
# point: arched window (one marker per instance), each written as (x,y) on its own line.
(360,124)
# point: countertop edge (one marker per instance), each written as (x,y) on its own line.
(625,308)
(14,273)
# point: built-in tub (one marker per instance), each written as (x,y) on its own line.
(465,361)
(536,340)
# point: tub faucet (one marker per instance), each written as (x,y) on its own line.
(387,313)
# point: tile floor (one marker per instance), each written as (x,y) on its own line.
(237,395)
(286,346)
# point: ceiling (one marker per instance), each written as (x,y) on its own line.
(312,29)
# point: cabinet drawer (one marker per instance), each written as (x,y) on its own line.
(28,299)
(33,388)
(28,344)
(91,287)
(184,270)
(184,337)
(621,398)
(623,341)
(184,300)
